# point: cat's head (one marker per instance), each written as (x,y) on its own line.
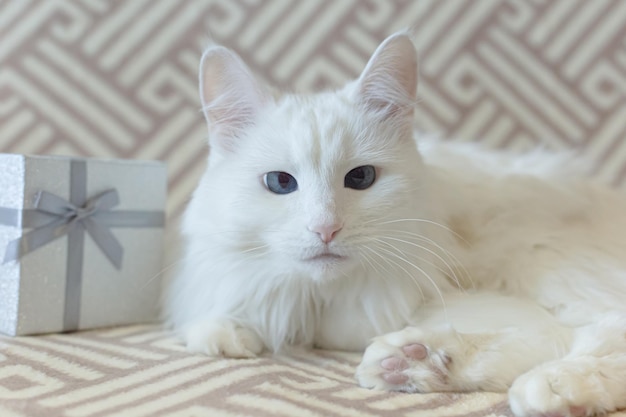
(313,184)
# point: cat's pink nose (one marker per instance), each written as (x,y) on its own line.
(327,232)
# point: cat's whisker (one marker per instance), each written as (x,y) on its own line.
(345,275)
(451,257)
(397,265)
(161,272)
(414,279)
(377,220)
(394,266)
(255,248)
(431,222)
(254,256)
(360,259)
(191,255)
(451,273)
(382,271)
(423,272)
(166,268)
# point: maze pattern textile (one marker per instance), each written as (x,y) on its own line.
(119,78)
(142,371)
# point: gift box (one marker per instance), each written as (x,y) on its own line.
(81,242)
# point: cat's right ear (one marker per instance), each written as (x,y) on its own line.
(388,84)
(231,98)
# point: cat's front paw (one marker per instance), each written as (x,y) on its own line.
(409,360)
(222,338)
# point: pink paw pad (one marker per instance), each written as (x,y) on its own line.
(394,368)
(394,365)
(415,351)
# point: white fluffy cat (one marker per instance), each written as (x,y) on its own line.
(319,222)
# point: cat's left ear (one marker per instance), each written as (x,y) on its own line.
(388,83)
(231,97)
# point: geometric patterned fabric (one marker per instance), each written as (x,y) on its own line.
(141,371)
(119,78)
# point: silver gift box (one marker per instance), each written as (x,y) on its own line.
(81,242)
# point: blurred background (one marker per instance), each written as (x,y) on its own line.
(115,78)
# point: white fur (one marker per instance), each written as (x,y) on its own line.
(510,266)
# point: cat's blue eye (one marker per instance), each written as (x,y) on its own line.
(360,178)
(280,182)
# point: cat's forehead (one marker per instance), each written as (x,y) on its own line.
(320,133)
(325,125)
(324,110)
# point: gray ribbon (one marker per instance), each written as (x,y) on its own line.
(54,217)
(67,218)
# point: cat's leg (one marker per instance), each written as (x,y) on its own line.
(443,359)
(222,337)
(490,340)
(589,380)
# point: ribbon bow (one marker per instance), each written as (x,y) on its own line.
(66,217)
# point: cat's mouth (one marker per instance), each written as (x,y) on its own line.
(325,257)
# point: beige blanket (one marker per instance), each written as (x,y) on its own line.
(144,371)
